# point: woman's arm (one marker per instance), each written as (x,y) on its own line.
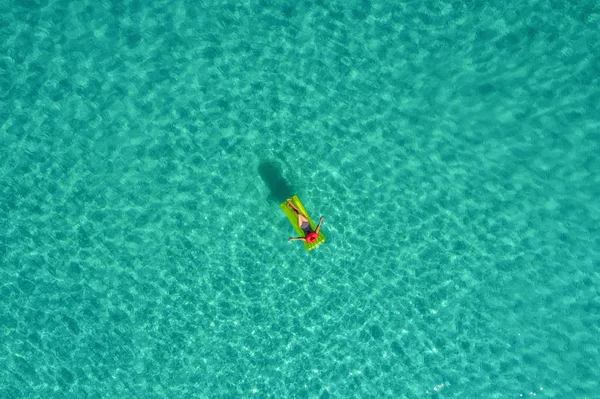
(297,238)
(319,226)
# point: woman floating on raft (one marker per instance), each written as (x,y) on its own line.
(309,234)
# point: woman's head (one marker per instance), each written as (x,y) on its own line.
(311,237)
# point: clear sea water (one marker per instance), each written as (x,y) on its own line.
(452,147)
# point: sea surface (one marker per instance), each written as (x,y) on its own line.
(453,148)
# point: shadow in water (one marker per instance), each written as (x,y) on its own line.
(271,174)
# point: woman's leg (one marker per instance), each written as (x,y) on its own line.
(291,205)
(301,217)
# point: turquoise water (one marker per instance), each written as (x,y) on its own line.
(453,149)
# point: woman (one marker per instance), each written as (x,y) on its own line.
(309,234)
